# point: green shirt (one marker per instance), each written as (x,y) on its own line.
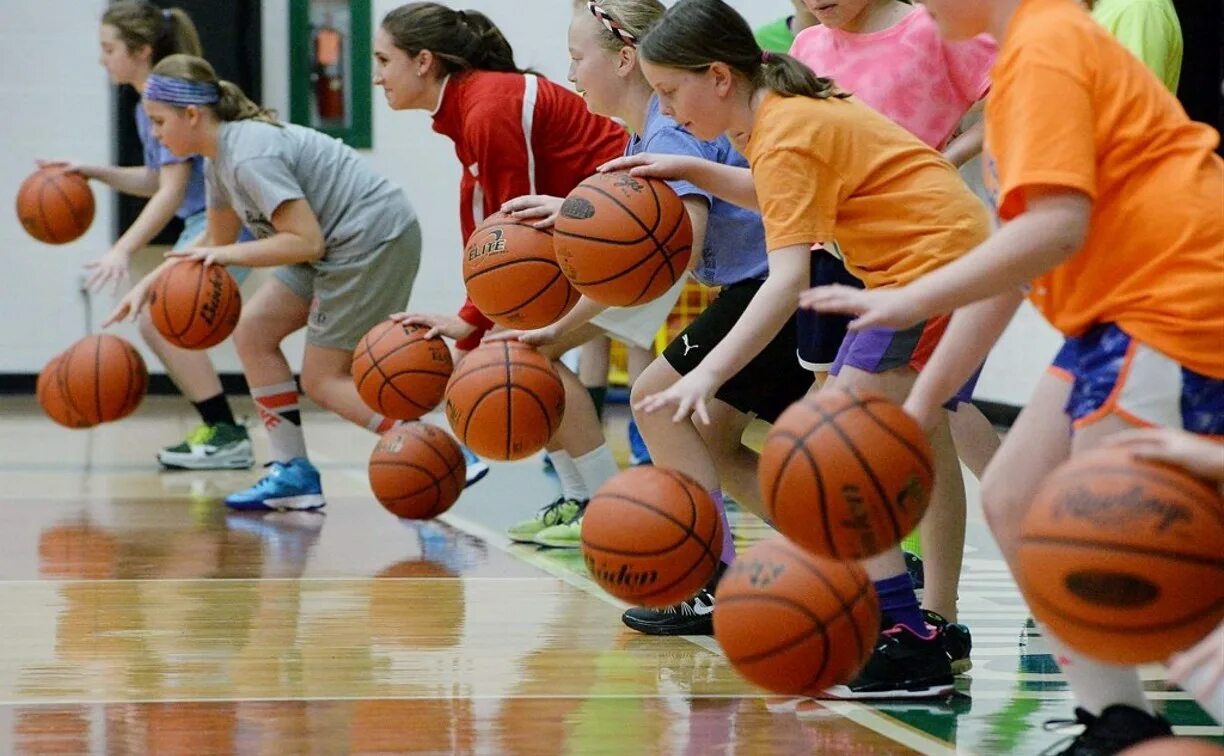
(1150,30)
(777,36)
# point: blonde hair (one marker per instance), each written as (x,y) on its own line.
(234,105)
(633,16)
(166,32)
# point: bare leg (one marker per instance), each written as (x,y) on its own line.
(191,370)
(593,363)
(268,318)
(976,439)
(639,360)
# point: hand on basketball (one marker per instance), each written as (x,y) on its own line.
(1200,671)
(537,337)
(690,395)
(66,166)
(874,308)
(208,255)
(650,166)
(450,326)
(540,206)
(111,268)
(1196,454)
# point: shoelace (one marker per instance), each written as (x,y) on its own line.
(551,514)
(688,608)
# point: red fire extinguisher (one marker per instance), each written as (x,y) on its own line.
(329,76)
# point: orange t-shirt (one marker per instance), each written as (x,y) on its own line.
(836,170)
(1072,108)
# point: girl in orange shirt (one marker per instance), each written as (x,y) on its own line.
(1111,198)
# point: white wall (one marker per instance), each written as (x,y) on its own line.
(65,110)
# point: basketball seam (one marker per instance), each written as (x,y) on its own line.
(1172,556)
(67,203)
(44,226)
(921,458)
(687,531)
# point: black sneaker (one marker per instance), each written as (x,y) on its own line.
(913,565)
(1117,728)
(903,665)
(692,617)
(955,639)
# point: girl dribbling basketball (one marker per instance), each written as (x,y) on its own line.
(344,240)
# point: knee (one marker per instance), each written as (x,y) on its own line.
(1001,505)
(316,387)
(654,378)
(251,335)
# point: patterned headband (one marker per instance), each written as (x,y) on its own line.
(180,92)
(611,24)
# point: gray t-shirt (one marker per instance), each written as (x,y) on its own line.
(260,166)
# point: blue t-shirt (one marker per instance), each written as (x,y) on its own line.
(735,238)
(156,155)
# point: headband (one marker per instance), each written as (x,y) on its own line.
(180,92)
(611,24)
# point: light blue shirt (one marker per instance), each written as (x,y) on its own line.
(735,238)
(156,155)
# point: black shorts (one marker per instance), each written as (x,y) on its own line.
(767,385)
(821,335)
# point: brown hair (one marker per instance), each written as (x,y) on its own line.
(234,104)
(166,32)
(460,40)
(634,16)
(695,34)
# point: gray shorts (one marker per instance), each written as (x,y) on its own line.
(349,298)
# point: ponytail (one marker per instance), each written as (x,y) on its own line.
(232,103)
(166,32)
(459,40)
(695,34)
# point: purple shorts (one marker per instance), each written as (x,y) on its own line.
(878,350)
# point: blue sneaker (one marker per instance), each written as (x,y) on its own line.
(477,468)
(290,485)
(638,453)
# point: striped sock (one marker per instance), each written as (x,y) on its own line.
(278,409)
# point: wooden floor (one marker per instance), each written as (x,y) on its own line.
(138,616)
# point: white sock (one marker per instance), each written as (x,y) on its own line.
(596,467)
(278,409)
(572,486)
(1098,685)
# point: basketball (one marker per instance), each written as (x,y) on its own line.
(417,471)
(55,206)
(49,391)
(652,536)
(504,400)
(1123,558)
(846,473)
(1173,747)
(195,307)
(794,623)
(96,380)
(511,273)
(400,373)
(623,240)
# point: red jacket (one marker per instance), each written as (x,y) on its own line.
(518,134)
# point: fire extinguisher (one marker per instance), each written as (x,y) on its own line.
(329,77)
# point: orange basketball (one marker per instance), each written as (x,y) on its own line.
(505,400)
(623,240)
(1174,747)
(1123,558)
(511,273)
(417,471)
(55,206)
(96,380)
(846,473)
(792,622)
(400,373)
(195,307)
(50,391)
(652,536)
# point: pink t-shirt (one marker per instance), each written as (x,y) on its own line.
(907,72)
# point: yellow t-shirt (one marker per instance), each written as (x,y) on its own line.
(836,170)
(1071,108)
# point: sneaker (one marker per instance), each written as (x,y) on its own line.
(903,665)
(210,447)
(561,512)
(289,485)
(692,617)
(1117,728)
(477,468)
(638,453)
(566,536)
(955,639)
(913,565)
